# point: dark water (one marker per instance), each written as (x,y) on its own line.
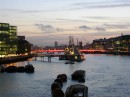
(106,76)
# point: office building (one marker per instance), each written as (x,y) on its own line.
(24,47)
(8,39)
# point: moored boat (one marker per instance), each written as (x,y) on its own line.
(79,75)
(29,68)
(21,69)
(77,90)
(63,77)
(72,54)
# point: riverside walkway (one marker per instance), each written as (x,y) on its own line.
(13,59)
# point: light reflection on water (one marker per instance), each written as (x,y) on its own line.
(106,76)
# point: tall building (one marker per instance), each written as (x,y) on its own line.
(71,41)
(13,39)
(8,39)
(56,44)
(80,45)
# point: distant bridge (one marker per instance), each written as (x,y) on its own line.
(51,53)
(55,50)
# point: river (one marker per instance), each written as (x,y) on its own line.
(106,76)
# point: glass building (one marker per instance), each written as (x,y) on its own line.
(8,39)
(117,44)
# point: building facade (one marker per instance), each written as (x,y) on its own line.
(99,44)
(13,39)
(116,44)
(24,47)
(8,39)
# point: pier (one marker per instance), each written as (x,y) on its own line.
(60,56)
(49,56)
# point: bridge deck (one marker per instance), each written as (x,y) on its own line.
(61,57)
(51,55)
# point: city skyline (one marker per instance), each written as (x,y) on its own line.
(45,21)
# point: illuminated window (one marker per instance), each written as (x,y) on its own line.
(8,42)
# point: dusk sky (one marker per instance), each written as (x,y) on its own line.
(46,21)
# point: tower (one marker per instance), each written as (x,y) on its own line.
(56,44)
(71,41)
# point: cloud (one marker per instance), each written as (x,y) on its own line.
(22,11)
(105,27)
(116,26)
(101,18)
(84,27)
(77,6)
(48,28)
(45,27)
(72,20)
(103,4)
(100,29)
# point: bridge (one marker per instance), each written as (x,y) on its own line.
(60,56)
(49,56)
(59,51)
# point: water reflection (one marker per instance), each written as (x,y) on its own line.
(106,76)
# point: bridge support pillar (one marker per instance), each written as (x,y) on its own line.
(42,58)
(49,58)
(35,58)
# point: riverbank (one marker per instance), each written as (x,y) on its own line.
(13,59)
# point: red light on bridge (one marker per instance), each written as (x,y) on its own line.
(84,50)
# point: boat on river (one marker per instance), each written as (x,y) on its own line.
(72,54)
(29,68)
(12,68)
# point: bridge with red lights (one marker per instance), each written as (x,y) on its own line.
(51,53)
(56,50)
